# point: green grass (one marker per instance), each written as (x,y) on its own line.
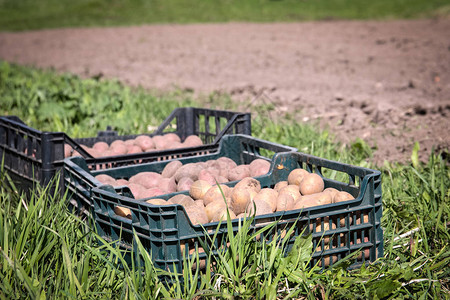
(29,14)
(45,251)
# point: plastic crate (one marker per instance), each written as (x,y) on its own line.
(79,178)
(34,157)
(166,231)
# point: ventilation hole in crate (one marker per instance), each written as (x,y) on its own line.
(171,127)
(321,225)
(328,260)
(222,123)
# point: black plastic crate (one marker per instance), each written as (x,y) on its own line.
(166,231)
(34,157)
(79,174)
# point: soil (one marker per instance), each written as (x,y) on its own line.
(387,83)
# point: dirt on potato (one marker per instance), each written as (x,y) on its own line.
(386,82)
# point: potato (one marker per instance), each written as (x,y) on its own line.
(268,195)
(121,181)
(94,152)
(207,176)
(170,169)
(145,142)
(119,147)
(200,203)
(182,199)
(259,167)
(101,146)
(342,196)
(193,141)
(68,150)
(238,173)
(123,212)
(215,193)
(279,185)
(313,200)
(105,179)
(261,206)
(312,183)
(296,176)
(285,202)
(326,226)
(198,189)
(137,190)
(168,184)
(366,251)
(240,199)
(221,215)
(226,161)
(146,179)
(161,142)
(332,191)
(249,182)
(196,214)
(131,149)
(158,201)
(212,163)
(190,170)
(292,190)
(129,142)
(328,260)
(222,179)
(172,137)
(213,208)
(184,184)
(152,192)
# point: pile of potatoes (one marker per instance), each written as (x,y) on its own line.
(176,177)
(141,143)
(205,202)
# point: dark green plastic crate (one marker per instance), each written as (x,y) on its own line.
(79,173)
(165,231)
(34,157)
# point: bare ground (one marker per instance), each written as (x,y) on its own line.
(387,83)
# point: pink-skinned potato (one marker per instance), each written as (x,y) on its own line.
(238,173)
(168,184)
(145,142)
(147,179)
(193,141)
(137,190)
(101,146)
(105,179)
(68,150)
(184,184)
(172,137)
(152,192)
(170,169)
(161,143)
(259,167)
